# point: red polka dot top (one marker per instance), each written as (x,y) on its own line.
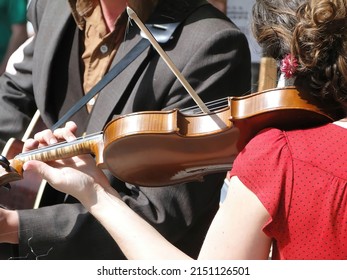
(300,176)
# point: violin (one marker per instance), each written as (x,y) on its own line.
(160,148)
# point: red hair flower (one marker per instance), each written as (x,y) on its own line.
(288,66)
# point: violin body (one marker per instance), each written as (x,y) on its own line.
(165,148)
(161,148)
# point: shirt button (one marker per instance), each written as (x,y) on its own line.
(104,49)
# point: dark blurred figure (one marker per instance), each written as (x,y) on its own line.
(13,28)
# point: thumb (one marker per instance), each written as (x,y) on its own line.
(41,169)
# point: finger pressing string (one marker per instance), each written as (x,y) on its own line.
(67,132)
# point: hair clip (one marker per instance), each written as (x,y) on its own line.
(289,65)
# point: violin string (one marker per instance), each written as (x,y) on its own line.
(211,105)
(197,110)
(215,108)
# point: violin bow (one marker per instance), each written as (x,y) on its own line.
(168,61)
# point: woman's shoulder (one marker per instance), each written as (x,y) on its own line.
(325,137)
(267,146)
(268,136)
(323,146)
(309,136)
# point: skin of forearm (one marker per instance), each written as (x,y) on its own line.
(19,35)
(9,222)
(136,238)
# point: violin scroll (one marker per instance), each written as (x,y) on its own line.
(7,173)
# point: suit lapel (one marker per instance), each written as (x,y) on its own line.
(43,80)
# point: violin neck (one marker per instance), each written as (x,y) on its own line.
(90,144)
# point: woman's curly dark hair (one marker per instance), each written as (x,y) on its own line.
(315,32)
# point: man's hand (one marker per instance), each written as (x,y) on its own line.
(78,176)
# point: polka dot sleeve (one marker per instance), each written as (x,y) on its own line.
(265,167)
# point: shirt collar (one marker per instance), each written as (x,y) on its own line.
(82,8)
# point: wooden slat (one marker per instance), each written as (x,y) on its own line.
(267,74)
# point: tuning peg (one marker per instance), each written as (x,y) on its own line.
(4,162)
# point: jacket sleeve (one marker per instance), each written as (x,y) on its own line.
(17,104)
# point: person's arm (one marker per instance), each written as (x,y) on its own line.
(17,104)
(79,177)
(136,238)
(236,231)
(9,223)
(18,36)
